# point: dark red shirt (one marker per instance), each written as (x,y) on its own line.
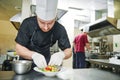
(80,42)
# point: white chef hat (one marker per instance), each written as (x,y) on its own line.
(46,9)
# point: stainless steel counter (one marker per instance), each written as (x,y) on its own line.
(103,63)
(94,74)
(78,74)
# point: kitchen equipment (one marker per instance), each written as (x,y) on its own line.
(16,19)
(107,25)
(21,66)
(102,27)
(12,54)
(115,59)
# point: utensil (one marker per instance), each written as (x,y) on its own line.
(21,66)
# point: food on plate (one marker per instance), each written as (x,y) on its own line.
(50,68)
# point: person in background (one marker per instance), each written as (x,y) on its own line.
(80,42)
(38,33)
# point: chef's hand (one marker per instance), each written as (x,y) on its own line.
(57,58)
(39,60)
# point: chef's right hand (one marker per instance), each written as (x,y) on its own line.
(39,60)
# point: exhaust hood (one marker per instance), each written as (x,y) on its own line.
(104,26)
(107,25)
(16,19)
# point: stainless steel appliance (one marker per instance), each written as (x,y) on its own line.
(106,25)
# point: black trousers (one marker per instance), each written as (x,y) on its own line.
(79,60)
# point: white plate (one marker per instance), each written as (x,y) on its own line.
(49,74)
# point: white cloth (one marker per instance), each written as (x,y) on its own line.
(57,58)
(39,60)
(46,9)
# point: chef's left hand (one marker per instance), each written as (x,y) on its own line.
(57,58)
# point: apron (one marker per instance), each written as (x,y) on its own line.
(45,51)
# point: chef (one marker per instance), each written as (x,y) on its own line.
(38,33)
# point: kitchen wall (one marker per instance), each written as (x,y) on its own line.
(7,36)
(7,30)
(68,21)
(8,8)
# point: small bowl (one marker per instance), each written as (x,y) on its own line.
(21,66)
(49,74)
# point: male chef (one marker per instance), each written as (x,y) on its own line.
(38,33)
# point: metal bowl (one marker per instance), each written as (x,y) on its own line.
(21,66)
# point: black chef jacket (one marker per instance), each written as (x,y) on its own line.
(32,37)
